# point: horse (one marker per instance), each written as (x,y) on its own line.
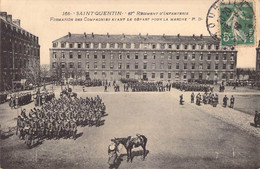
(132,142)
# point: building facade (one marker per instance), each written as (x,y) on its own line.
(150,57)
(258,57)
(18,50)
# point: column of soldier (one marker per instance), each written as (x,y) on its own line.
(60,117)
(148,87)
(192,86)
(20,99)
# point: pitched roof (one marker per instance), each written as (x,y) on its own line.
(116,38)
(4,19)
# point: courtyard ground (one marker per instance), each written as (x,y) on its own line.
(185,136)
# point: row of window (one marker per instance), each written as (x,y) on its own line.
(21,33)
(19,48)
(145,56)
(161,75)
(18,64)
(135,46)
(144,66)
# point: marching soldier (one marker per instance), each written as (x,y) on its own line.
(232,101)
(225,99)
(192,97)
(16,101)
(181,99)
(198,99)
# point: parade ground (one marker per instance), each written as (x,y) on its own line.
(179,136)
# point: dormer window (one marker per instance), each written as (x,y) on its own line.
(71,45)
(112,45)
(95,45)
(120,45)
(79,45)
(128,45)
(63,44)
(104,45)
(54,45)
(162,46)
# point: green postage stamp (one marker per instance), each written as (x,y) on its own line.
(237,23)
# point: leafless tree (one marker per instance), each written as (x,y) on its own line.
(44,72)
(32,72)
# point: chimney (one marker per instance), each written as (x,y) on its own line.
(108,35)
(92,35)
(123,35)
(85,35)
(178,35)
(69,34)
(147,35)
(9,18)
(17,22)
(3,14)
(193,36)
(201,36)
(140,35)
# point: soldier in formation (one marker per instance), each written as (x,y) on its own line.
(60,117)
(116,87)
(94,82)
(20,99)
(198,99)
(192,87)
(148,87)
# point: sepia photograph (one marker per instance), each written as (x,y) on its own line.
(134,84)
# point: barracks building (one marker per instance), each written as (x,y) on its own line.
(148,57)
(18,49)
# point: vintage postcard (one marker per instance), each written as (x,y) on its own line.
(130,84)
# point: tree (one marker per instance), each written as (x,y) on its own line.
(32,72)
(57,72)
(45,69)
